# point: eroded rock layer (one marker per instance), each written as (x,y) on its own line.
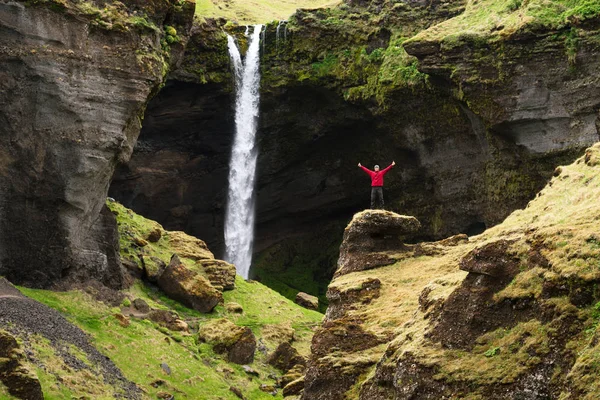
(74,82)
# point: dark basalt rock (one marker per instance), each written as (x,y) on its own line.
(16,377)
(370,233)
(285,357)
(71,97)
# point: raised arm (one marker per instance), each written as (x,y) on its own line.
(367,170)
(389,167)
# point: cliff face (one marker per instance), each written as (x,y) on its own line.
(475,126)
(75,79)
(511,313)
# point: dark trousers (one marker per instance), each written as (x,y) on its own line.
(376,194)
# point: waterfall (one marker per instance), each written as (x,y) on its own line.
(239,218)
(278,33)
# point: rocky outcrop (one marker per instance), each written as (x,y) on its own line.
(238,343)
(193,276)
(369,235)
(307,301)
(285,357)
(74,85)
(497,316)
(16,377)
(188,287)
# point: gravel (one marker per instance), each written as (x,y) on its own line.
(24,316)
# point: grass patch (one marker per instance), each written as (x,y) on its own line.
(197,372)
(496,19)
(255,11)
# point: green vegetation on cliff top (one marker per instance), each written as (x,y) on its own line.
(140,348)
(502,18)
(255,11)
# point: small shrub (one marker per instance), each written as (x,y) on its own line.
(492,352)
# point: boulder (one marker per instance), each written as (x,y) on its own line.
(369,235)
(154,235)
(188,287)
(307,301)
(17,378)
(226,337)
(221,274)
(294,388)
(285,357)
(233,307)
(169,320)
(141,305)
(153,267)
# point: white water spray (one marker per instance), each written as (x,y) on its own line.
(239,219)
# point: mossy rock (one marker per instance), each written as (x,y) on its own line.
(188,287)
(226,337)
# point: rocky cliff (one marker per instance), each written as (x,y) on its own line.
(511,313)
(74,83)
(475,125)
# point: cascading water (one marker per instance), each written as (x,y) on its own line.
(278,33)
(239,219)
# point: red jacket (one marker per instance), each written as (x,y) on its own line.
(377,177)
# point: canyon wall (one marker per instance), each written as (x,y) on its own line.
(75,80)
(475,126)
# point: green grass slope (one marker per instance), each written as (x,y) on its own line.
(140,348)
(255,11)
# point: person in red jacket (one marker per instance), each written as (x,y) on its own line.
(377,182)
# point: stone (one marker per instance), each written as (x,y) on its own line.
(140,242)
(154,235)
(237,392)
(188,287)
(153,267)
(268,389)
(369,235)
(285,357)
(141,305)
(307,301)
(169,320)
(239,343)
(165,367)
(123,320)
(250,371)
(233,307)
(221,274)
